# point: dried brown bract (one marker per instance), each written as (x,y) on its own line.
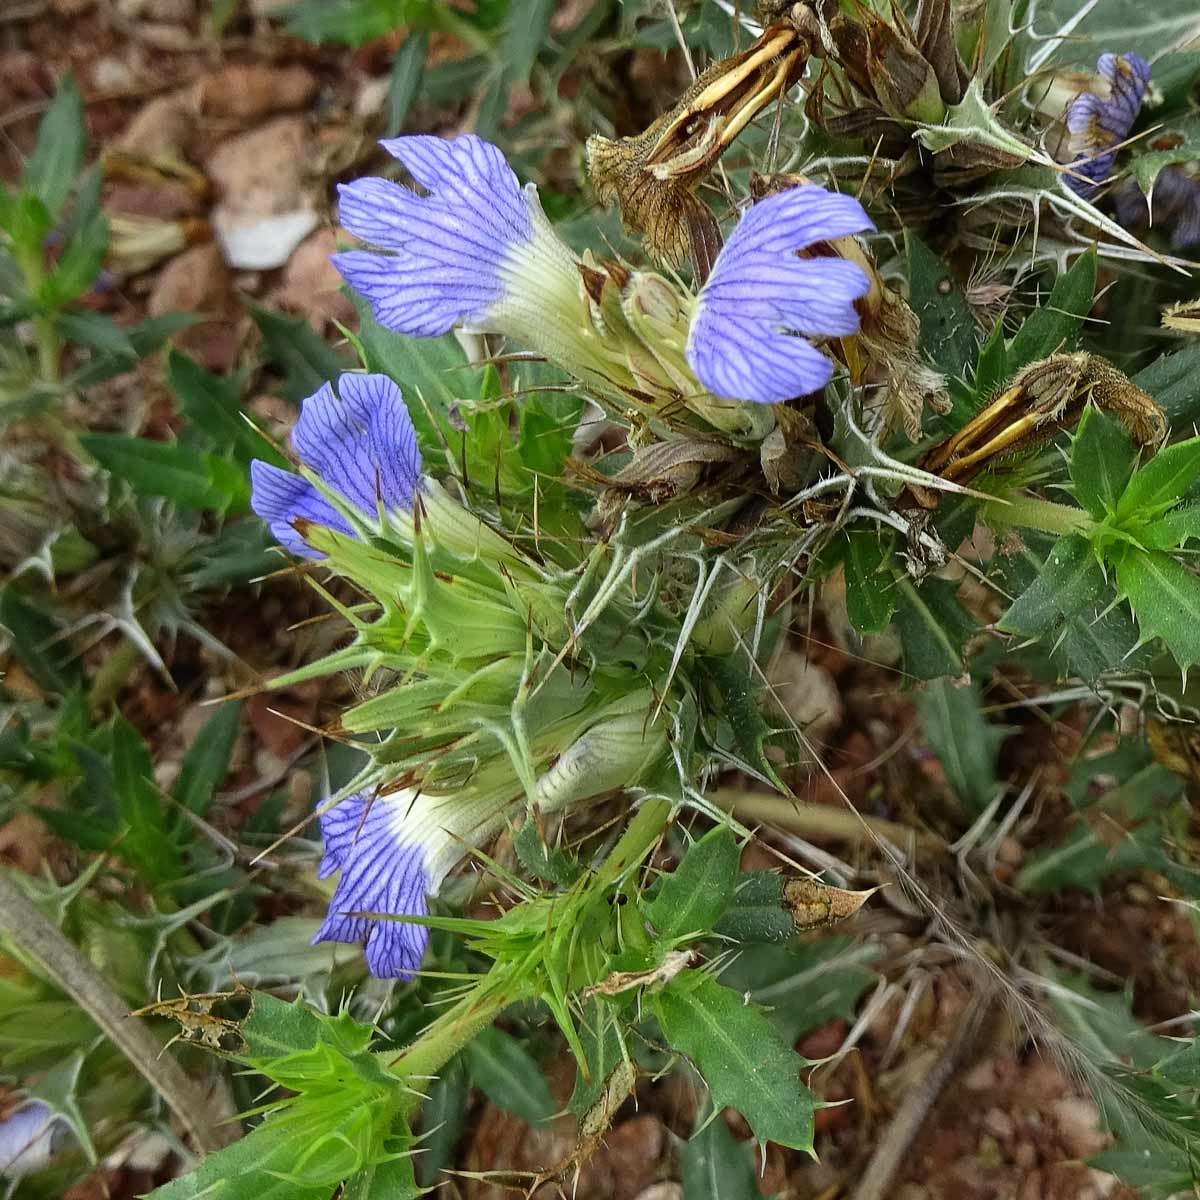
(1184,316)
(652,177)
(1044,399)
(813,904)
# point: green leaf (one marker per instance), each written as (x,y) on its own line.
(802,986)
(603,1049)
(1101,462)
(443,1119)
(715,1166)
(38,643)
(528,26)
(1085,858)
(350,22)
(146,842)
(744,1061)
(949,338)
(757,913)
(408,68)
(736,697)
(97,332)
(59,1088)
(80,264)
(144,338)
(1162,482)
(1055,325)
(1069,580)
(61,140)
(932,626)
(1173,380)
(966,744)
(213,406)
(394,1180)
(307,360)
(1165,598)
(207,761)
(1172,531)
(542,861)
(870,596)
(693,897)
(243,1171)
(992,368)
(504,1071)
(187,477)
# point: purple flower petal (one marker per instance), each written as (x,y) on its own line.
(743,343)
(362,446)
(1098,122)
(450,246)
(280,498)
(27,1140)
(381,873)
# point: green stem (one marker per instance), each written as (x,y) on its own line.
(45,329)
(1031,513)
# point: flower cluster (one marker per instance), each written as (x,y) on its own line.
(477,251)
(1099,124)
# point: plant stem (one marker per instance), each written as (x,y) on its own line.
(45,331)
(208,1119)
(1032,513)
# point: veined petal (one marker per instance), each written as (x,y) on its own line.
(383,871)
(392,851)
(744,341)
(476,249)
(280,498)
(362,446)
(1098,123)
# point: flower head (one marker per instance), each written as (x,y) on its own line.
(475,250)
(744,341)
(361,446)
(1098,124)
(27,1140)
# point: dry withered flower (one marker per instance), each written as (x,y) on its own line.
(652,176)
(813,904)
(1044,399)
(1184,316)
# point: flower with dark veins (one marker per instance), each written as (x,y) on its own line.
(476,250)
(746,340)
(393,850)
(1099,124)
(360,444)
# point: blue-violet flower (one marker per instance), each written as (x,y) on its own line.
(476,250)
(361,446)
(27,1139)
(1098,124)
(1174,209)
(393,850)
(744,342)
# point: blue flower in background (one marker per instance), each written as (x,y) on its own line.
(27,1139)
(1097,124)
(475,250)
(362,446)
(744,341)
(1175,207)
